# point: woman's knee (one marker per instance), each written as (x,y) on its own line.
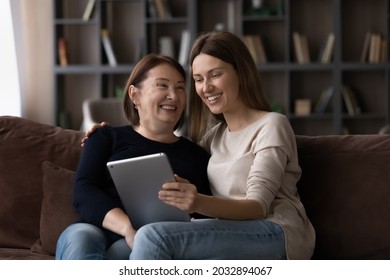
(79,241)
(81,232)
(147,243)
(148,232)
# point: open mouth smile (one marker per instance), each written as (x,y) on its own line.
(213,98)
(168,107)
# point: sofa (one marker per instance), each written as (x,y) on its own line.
(345,187)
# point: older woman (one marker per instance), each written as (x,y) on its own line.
(154,104)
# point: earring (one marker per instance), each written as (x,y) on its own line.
(136,107)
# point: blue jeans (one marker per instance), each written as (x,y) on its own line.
(210,239)
(83,241)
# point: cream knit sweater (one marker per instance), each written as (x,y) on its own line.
(260,162)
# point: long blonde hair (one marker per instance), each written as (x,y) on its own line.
(231,49)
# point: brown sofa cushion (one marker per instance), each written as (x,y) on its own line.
(22,254)
(24,146)
(350,213)
(57,211)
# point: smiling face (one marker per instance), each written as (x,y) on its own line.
(216,83)
(160,98)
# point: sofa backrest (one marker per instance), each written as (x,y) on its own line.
(345,187)
(24,146)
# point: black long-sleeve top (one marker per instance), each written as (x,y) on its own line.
(94,191)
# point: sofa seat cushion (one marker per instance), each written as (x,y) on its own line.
(22,254)
(345,187)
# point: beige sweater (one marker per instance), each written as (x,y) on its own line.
(260,163)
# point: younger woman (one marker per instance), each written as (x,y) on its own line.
(253,169)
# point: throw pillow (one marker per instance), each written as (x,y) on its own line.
(57,211)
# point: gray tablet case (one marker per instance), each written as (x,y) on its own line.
(138,181)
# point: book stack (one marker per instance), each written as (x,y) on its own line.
(301,47)
(256,47)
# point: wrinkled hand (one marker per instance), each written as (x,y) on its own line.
(92,130)
(181,194)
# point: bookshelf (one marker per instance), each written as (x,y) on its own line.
(135,29)
(132,32)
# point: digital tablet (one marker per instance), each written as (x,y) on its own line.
(138,181)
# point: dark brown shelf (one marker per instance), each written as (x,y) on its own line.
(133,33)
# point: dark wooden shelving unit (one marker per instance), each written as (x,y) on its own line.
(134,32)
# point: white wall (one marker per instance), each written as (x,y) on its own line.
(34,44)
(10,103)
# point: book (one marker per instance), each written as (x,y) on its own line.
(89,9)
(259,49)
(62,52)
(108,47)
(305,48)
(347,101)
(166,46)
(152,11)
(350,100)
(298,47)
(163,9)
(374,49)
(355,101)
(248,40)
(256,48)
(184,47)
(328,49)
(365,48)
(302,107)
(384,50)
(378,45)
(324,100)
